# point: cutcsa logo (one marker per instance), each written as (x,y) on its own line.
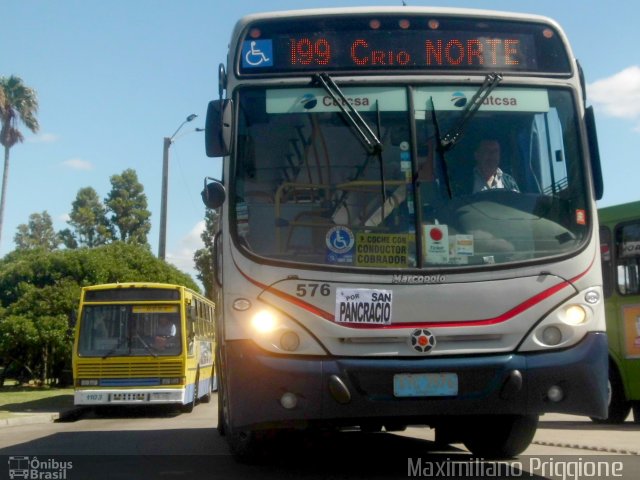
(458,99)
(308,101)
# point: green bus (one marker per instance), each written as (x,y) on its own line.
(620,248)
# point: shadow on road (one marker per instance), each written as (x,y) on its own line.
(202,453)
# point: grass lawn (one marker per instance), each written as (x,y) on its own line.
(26,399)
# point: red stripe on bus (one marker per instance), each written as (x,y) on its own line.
(459,323)
(290,298)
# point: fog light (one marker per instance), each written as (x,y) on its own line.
(289,341)
(551,336)
(289,401)
(555,394)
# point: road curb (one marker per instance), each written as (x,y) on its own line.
(33,418)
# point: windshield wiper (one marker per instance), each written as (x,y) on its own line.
(383,185)
(368,138)
(491,81)
(440,149)
(114,349)
(146,345)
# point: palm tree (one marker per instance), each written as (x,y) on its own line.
(17,103)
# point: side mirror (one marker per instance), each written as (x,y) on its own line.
(217,129)
(594,153)
(213,194)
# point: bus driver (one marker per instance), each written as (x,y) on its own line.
(165,331)
(487,174)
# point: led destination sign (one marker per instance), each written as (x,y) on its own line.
(366,51)
(419,44)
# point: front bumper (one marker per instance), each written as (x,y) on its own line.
(114,396)
(350,391)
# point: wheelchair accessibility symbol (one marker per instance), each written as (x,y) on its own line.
(257,53)
(340,239)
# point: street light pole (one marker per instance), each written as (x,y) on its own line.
(162,244)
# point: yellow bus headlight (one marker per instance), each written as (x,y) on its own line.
(89,382)
(172,381)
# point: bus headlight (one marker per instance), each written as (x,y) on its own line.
(89,382)
(172,381)
(276,332)
(574,315)
(264,321)
(568,324)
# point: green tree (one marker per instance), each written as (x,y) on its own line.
(18,104)
(128,206)
(18,337)
(38,233)
(203,257)
(89,221)
(68,238)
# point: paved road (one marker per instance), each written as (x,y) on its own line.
(144,443)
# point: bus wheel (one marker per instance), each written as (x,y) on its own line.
(245,445)
(500,436)
(619,407)
(222,415)
(222,401)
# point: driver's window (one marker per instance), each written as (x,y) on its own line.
(628,258)
(547,158)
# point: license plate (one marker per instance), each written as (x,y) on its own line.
(425,384)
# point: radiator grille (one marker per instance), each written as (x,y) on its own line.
(130,370)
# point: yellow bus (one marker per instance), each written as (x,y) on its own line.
(143,343)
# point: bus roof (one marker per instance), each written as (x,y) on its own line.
(442,11)
(558,52)
(123,285)
(619,213)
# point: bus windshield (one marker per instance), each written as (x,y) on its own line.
(306,190)
(129,330)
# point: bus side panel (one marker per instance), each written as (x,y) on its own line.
(200,370)
(622,321)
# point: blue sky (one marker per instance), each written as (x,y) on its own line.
(115,77)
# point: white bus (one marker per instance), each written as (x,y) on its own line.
(370,272)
